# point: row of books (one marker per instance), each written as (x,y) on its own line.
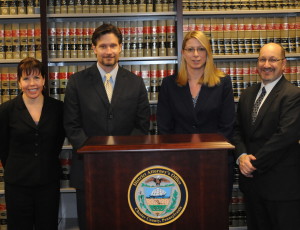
(206,5)
(8,83)
(109,6)
(245,35)
(71,39)
(14,7)
(151,74)
(20,40)
(237,212)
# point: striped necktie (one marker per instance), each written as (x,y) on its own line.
(108,86)
(257,104)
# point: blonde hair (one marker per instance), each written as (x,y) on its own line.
(211,75)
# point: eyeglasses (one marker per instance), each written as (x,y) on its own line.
(192,50)
(271,60)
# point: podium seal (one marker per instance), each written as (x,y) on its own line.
(157,195)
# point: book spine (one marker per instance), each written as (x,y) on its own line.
(16,41)
(13,82)
(8,41)
(5,84)
(2,42)
(154,84)
(37,39)
(54,82)
(31,40)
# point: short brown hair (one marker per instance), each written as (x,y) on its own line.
(106,29)
(29,65)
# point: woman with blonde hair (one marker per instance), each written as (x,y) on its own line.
(199,99)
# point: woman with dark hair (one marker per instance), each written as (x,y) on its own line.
(32,134)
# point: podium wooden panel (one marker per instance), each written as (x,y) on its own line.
(112,162)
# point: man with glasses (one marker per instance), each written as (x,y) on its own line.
(267,145)
(103,100)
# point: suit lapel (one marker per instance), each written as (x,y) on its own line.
(24,113)
(268,102)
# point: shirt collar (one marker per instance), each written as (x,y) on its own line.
(113,73)
(270,86)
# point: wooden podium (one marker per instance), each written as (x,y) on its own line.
(111,163)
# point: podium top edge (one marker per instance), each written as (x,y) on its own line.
(170,142)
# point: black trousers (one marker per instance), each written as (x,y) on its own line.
(32,207)
(272,215)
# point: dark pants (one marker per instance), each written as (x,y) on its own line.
(272,215)
(32,207)
(81,209)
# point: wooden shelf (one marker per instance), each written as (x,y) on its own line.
(102,15)
(236,12)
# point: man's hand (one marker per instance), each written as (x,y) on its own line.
(245,165)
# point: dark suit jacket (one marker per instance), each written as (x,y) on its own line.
(273,140)
(89,113)
(30,152)
(214,111)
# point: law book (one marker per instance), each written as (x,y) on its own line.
(158,4)
(54,82)
(2,42)
(293,72)
(206,27)
(57,6)
(263,31)
(270,29)
(292,34)
(37,40)
(13,82)
(86,39)
(71,6)
(134,5)
(31,40)
(297,31)
(276,29)
(16,41)
(30,6)
(64,6)
(85,6)
(147,38)
(234,36)
(227,36)
(256,34)
(220,36)
(241,36)
(13,8)
(214,36)
(186,5)
(4,84)
(154,38)
(5,7)
(2,201)
(127,6)
(140,39)
(284,33)
(246,74)
(248,35)
(63,80)
(66,40)
(93,6)
(145,74)
(65,162)
(100,7)
(126,38)
(24,40)
(149,5)
(253,73)
(59,40)
(22,6)
(185,27)
(192,24)
(253,5)
(244,5)
(133,38)
(50,7)
(52,39)
(154,84)
(232,74)
(78,6)
(287,71)
(239,78)
(73,40)
(92,26)
(141,6)
(298,73)
(171,69)
(171,4)
(8,41)
(106,6)
(79,39)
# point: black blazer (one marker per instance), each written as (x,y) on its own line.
(273,140)
(30,152)
(214,111)
(89,113)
